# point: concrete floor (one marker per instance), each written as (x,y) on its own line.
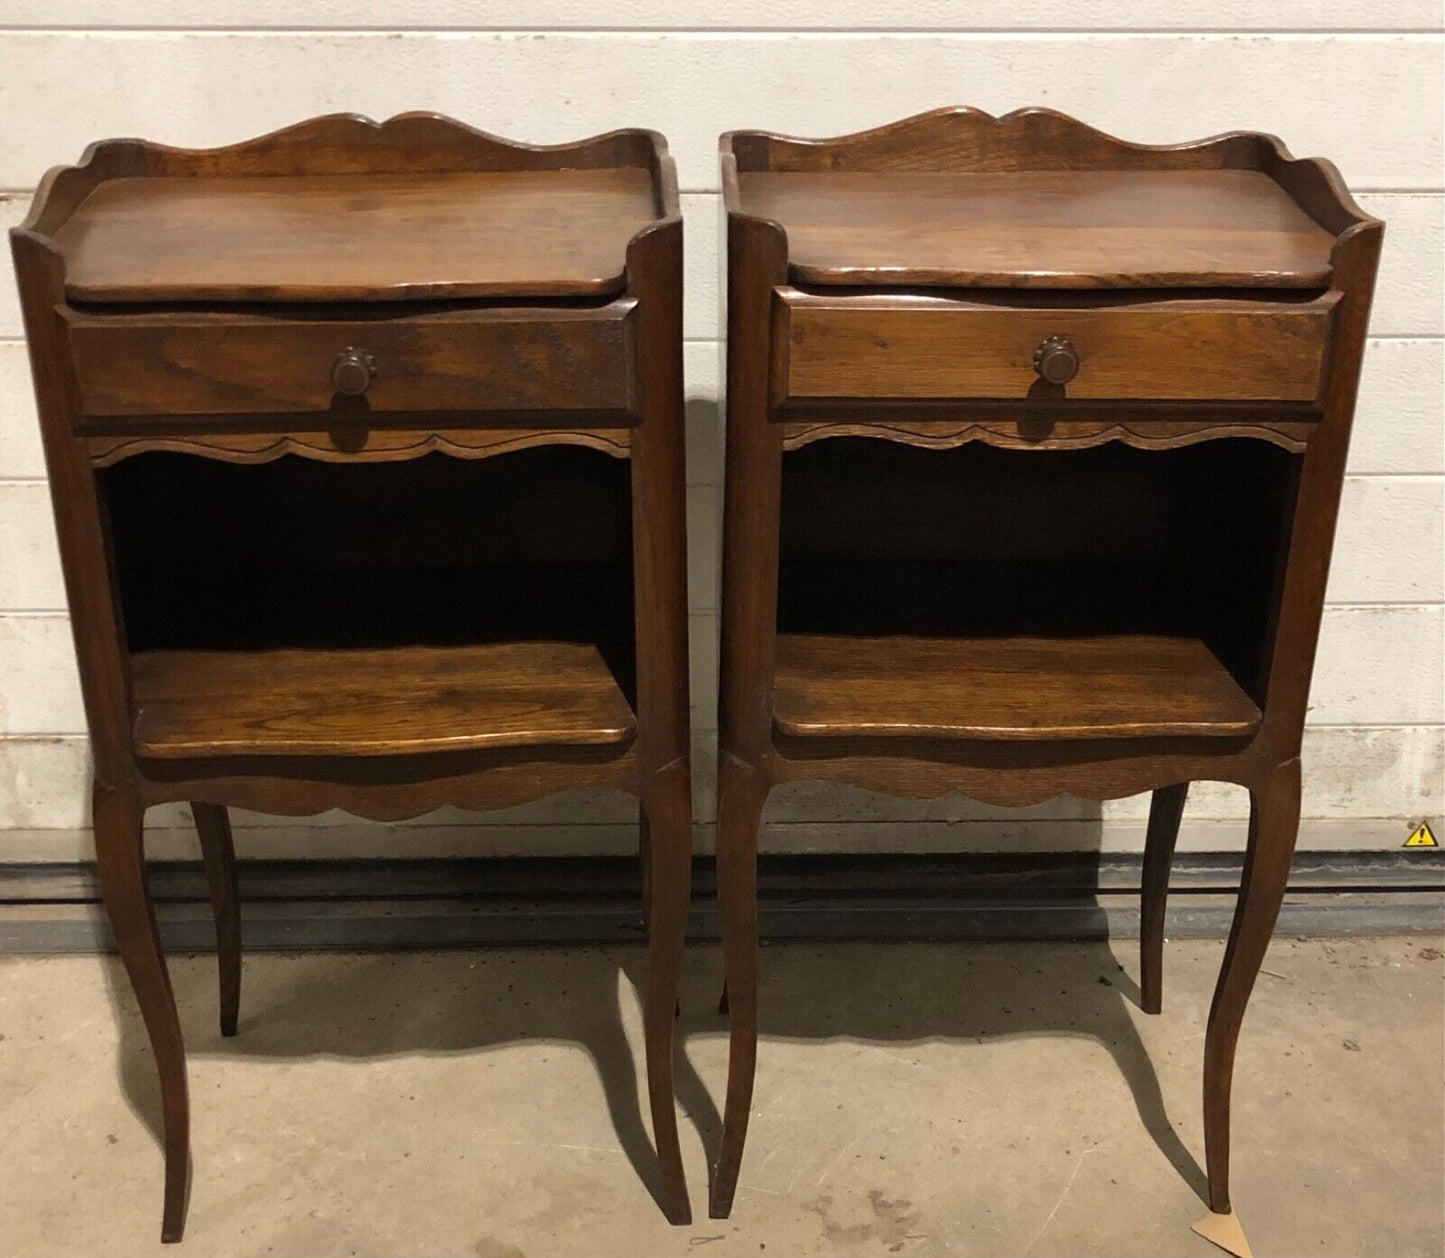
(912,1099)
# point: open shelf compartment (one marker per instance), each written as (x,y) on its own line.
(296,607)
(979,593)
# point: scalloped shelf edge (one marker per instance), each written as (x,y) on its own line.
(265,448)
(1292,437)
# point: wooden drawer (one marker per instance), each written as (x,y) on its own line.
(1217,349)
(499,359)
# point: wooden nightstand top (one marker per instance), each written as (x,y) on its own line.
(1037,200)
(343,237)
(1042,228)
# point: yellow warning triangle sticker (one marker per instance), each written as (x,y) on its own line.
(1422,836)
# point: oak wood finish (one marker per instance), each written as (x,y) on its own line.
(218,855)
(1274,808)
(365,443)
(383,702)
(1209,349)
(1047,229)
(1166,809)
(350,443)
(508,359)
(1039,428)
(400,237)
(1097,583)
(1113,686)
(120,866)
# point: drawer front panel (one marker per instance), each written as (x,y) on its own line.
(510,360)
(926,348)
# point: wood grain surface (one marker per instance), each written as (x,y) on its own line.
(930,347)
(382,674)
(354,442)
(355,237)
(1042,228)
(375,702)
(505,359)
(1114,686)
(1120,694)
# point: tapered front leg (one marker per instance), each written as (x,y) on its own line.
(1273,826)
(667,807)
(120,862)
(219,854)
(742,792)
(1165,810)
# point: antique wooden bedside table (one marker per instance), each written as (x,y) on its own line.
(1034,449)
(366,448)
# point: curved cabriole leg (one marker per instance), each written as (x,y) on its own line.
(1165,809)
(219,854)
(742,791)
(1273,825)
(667,836)
(644,858)
(120,862)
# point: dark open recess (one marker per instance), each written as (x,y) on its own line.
(880,538)
(435,551)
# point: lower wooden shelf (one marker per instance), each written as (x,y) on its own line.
(376,702)
(831,685)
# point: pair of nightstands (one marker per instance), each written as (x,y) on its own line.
(1034,451)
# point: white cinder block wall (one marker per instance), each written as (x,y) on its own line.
(1359,81)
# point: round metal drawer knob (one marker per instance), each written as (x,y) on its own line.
(1056,360)
(353,371)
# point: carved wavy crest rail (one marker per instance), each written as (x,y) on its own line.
(336,144)
(964,138)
